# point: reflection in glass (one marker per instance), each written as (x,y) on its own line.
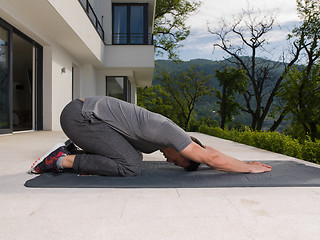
(136,25)
(22,83)
(115,87)
(120,24)
(119,87)
(4,78)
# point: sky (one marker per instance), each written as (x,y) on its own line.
(199,44)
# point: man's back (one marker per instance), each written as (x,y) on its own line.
(145,130)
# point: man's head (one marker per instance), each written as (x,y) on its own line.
(175,157)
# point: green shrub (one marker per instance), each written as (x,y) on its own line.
(311,151)
(271,141)
(194,124)
(213,131)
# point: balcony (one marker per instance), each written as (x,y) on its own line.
(93,17)
(132,39)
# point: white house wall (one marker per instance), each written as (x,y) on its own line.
(88,81)
(61,84)
(57,85)
(69,41)
(78,22)
(101,81)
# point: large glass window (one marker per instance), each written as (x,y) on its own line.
(120,24)
(4,79)
(130,24)
(118,87)
(136,25)
(20,81)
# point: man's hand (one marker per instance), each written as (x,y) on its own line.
(220,161)
(258,167)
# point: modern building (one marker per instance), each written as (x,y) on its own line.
(53,51)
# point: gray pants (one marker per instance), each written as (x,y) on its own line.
(106,151)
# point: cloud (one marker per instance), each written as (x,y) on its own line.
(200,42)
(212,11)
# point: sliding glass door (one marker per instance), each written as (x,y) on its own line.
(23,84)
(20,81)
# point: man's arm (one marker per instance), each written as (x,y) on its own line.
(220,161)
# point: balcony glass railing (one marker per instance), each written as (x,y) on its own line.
(93,17)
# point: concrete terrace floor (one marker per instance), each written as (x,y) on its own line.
(186,214)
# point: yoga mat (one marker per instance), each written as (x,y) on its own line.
(166,175)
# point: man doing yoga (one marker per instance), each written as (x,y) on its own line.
(113,133)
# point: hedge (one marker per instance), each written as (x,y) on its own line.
(271,141)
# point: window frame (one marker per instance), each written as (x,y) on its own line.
(126,91)
(128,31)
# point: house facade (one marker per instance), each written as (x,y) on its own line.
(53,51)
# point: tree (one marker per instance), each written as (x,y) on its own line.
(232,81)
(244,40)
(309,31)
(156,99)
(170,27)
(186,88)
(300,91)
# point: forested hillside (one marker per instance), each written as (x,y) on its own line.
(207,105)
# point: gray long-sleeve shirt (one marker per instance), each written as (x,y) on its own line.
(145,130)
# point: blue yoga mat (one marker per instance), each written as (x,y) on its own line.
(166,175)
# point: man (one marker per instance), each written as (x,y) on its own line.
(112,133)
